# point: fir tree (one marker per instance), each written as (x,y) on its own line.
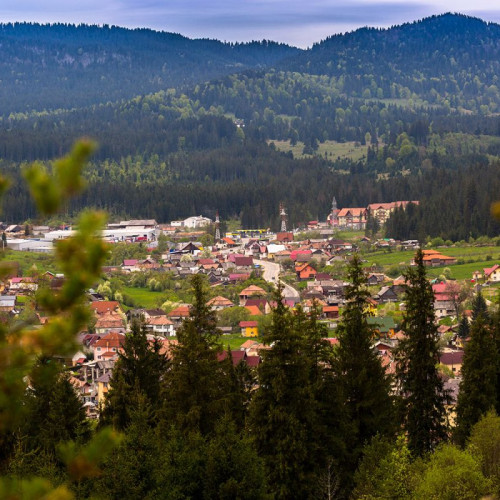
(139,369)
(54,412)
(195,389)
(479,306)
(478,390)
(463,328)
(364,385)
(283,409)
(417,355)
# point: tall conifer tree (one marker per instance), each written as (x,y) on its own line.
(139,370)
(478,390)
(283,410)
(364,385)
(417,356)
(195,388)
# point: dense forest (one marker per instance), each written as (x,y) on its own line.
(420,99)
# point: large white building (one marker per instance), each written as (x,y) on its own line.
(197,221)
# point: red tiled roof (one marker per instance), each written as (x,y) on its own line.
(248,324)
(104,306)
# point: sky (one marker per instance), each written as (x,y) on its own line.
(295,22)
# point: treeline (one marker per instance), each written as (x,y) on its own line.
(248,181)
(312,421)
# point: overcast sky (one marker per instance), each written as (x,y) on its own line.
(296,22)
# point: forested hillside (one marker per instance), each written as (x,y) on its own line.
(418,101)
(45,67)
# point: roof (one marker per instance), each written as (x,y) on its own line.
(248,324)
(253,290)
(243,261)
(111,340)
(130,262)
(355,212)
(451,358)
(254,310)
(181,311)
(104,306)
(229,241)
(109,320)
(382,323)
(159,321)
(488,271)
(220,301)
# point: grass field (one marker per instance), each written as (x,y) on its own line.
(144,297)
(479,254)
(331,150)
(461,271)
(42,261)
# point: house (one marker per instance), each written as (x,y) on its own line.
(382,211)
(305,271)
(452,359)
(284,237)
(110,344)
(130,265)
(22,285)
(260,303)
(433,258)
(103,387)
(331,312)
(179,314)
(241,356)
(7,303)
(160,325)
(109,322)
(384,326)
(219,303)
(353,218)
(243,261)
(492,274)
(105,306)
(251,291)
(249,328)
(386,294)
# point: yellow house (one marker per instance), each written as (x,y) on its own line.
(102,387)
(249,328)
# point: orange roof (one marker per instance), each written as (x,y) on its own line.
(159,321)
(111,340)
(356,212)
(253,290)
(104,306)
(181,311)
(108,320)
(219,301)
(254,310)
(330,309)
(229,241)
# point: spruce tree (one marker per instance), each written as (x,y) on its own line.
(283,412)
(364,386)
(478,391)
(139,369)
(479,306)
(463,328)
(54,412)
(420,386)
(195,388)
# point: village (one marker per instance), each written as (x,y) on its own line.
(242,268)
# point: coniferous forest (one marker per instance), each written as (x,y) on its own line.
(420,102)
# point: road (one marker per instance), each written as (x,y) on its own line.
(271,274)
